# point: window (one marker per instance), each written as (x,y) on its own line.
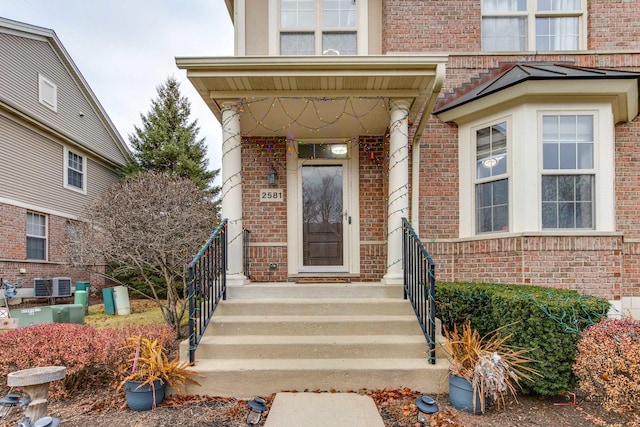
(568,171)
(326,27)
(47,92)
(492,185)
(75,171)
(36,236)
(541,25)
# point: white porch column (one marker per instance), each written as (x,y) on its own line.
(232,190)
(398,202)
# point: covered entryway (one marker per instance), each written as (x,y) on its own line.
(326,105)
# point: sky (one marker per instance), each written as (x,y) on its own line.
(125,49)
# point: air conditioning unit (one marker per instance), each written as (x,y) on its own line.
(56,287)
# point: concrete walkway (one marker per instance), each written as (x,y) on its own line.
(323,410)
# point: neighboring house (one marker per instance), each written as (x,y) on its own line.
(58,150)
(506,131)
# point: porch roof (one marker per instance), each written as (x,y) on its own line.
(317,96)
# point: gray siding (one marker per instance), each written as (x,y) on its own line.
(32,171)
(22,59)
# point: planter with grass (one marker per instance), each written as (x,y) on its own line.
(150,372)
(483,367)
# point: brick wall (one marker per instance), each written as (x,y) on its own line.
(267,222)
(13,250)
(606,266)
(374,184)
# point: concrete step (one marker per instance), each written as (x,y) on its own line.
(270,337)
(314,325)
(314,290)
(246,378)
(324,306)
(311,346)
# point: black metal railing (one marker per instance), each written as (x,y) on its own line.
(420,284)
(207,284)
(245,252)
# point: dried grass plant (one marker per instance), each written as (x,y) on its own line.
(150,363)
(491,366)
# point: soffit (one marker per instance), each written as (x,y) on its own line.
(317,96)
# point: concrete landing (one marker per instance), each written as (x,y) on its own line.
(323,410)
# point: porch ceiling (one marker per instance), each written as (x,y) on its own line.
(317,96)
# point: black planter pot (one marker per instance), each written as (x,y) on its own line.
(461,395)
(143,398)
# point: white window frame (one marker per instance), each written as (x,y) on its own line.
(569,172)
(524,148)
(37,236)
(361,28)
(47,93)
(493,178)
(530,15)
(66,183)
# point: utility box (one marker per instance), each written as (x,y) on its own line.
(81,297)
(121,297)
(109,302)
(68,313)
(83,286)
(32,316)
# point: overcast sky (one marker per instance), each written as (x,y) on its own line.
(126,48)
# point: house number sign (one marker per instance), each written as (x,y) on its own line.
(271,195)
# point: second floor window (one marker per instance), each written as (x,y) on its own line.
(75,171)
(318,27)
(532,25)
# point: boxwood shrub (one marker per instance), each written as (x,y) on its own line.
(547,321)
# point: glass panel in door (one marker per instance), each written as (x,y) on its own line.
(322,215)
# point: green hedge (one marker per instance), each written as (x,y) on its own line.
(548,321)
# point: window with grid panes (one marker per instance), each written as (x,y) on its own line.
(318,27)
(532,25)
(36,236)
(568,176)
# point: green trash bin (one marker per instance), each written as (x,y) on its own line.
(82,286)
(80,298)
(109,303)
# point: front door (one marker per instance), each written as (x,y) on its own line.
(323,214)
(323,210)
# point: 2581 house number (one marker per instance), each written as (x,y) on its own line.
(271,195)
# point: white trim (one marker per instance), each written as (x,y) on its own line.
(351,200)
(361,27)
(524,169)
(47,93)
(30,207)
(65,177)
(45,237)
(240,28)
(531,13)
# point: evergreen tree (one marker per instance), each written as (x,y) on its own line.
(167,143)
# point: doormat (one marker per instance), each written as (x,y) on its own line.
(323,280)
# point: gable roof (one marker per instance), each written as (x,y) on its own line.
(21,29)
(510,75)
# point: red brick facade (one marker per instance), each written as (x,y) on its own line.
(13,251)
(602,265)
(605,265)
